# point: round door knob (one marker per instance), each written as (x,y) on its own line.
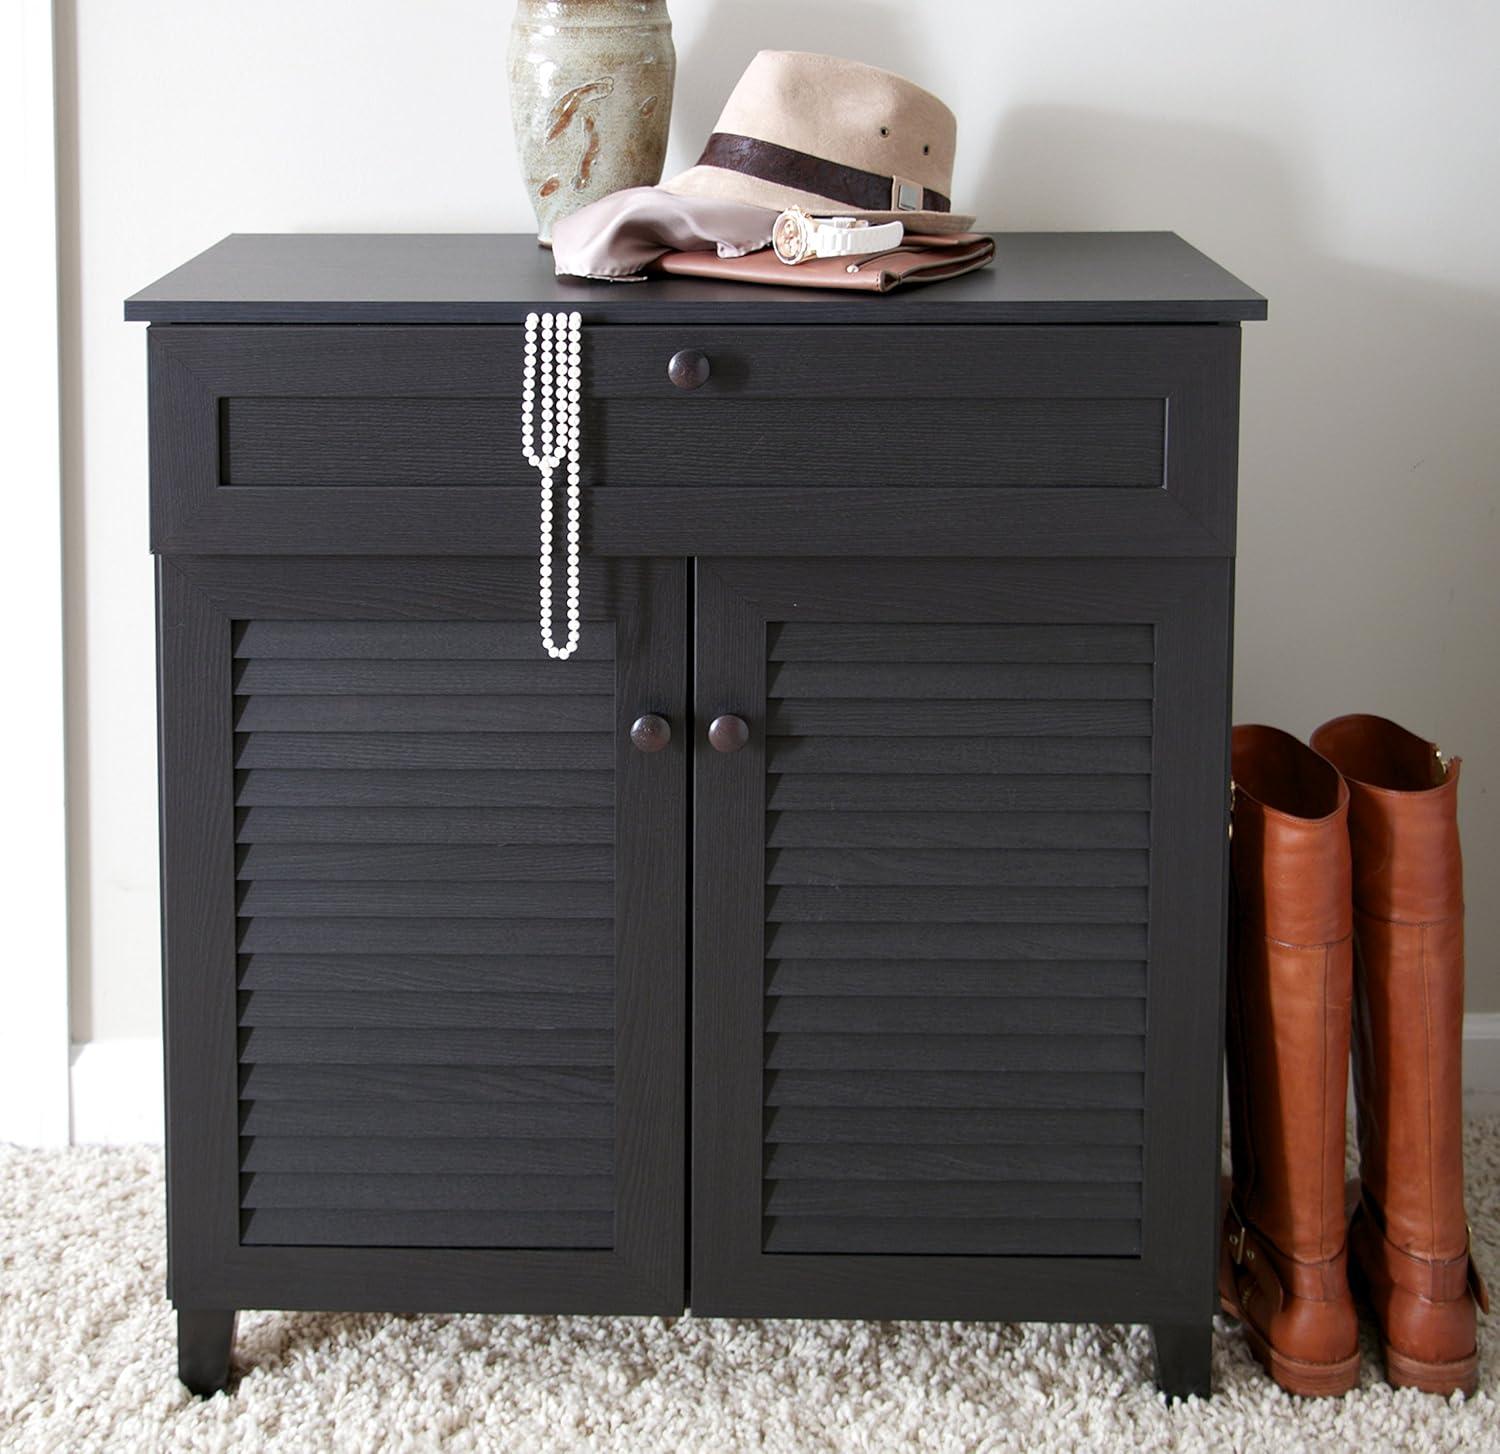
(728,733)
(650,733)
(688,368)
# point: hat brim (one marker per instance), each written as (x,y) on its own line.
(730,186)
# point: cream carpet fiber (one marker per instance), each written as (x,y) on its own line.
(87,1363)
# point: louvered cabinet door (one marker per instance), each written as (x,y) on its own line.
(958,938)
(424,914)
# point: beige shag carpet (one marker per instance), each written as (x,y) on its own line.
(87,1363)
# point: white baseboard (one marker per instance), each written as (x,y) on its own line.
(117,1092)
(1481,1056)
(117,1084)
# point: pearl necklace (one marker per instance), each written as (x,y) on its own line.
(560,376)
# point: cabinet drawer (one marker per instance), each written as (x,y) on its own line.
(1022,408)
(899,439)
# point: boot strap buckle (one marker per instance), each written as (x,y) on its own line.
(1237,1237)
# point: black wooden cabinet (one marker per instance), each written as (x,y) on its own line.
(933,593)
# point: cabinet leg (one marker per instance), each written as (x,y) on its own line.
(205,1338)
(1184,1352)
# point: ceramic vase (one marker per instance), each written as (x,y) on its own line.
(590,98)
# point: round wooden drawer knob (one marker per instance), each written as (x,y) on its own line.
(650,733)
(728,733)
(688,368)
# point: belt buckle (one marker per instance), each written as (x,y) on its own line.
(905,196)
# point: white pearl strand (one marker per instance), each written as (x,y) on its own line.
(561,376)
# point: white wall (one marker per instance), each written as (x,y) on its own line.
(1341,157)
(33,859)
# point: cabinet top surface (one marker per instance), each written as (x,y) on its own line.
(1036,277)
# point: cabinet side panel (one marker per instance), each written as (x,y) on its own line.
(1189,889)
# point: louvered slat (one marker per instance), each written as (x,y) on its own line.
(925,681)
(427,936)
(804,829)
(517,1120)
(956,904)
(403,641)
(354,788)
(494,826)
(518,751)
(963,1162)
(947,1200)
(938,978)
(359,1045)
(425,829)
(1090,868)
(959,793)
(420,1155)
(864,717)
(358,712)
(1036,1235)
(341,899)
(435,1192)
(880,1052)
(444,973)
(1006,755)
(887,641)
(991,1088)
(397,1085)
(956,941)
(867,1125)
(313,1227)
(387,862)
(367,1008)
(409,676)
(925,1014)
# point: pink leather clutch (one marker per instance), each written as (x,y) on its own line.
(921,258)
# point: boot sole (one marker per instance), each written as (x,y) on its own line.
(1459,1376)
(1297,1375)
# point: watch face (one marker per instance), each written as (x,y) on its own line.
(789,236)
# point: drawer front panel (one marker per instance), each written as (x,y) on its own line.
(718,440)
(423,937)
(958,937)
(389,439)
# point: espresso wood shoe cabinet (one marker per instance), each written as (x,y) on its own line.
(838,933)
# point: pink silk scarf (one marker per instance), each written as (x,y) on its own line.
(621,235)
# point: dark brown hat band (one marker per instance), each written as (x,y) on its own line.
(800,170)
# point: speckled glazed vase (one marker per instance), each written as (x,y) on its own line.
(591,99)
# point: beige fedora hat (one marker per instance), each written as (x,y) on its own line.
(832,137)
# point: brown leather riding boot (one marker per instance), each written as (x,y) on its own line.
(1283,1271)
(1409,1236)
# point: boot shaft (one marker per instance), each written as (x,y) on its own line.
(1409,979)
(1290,849)
(1403,819)
(1289,997)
